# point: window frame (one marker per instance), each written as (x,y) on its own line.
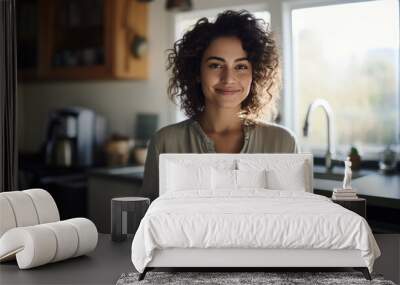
(288,84)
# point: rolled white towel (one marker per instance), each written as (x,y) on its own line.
(23,208)
(45,205)
(87,234)
(26,208)
(67,240)
(37,245)
(7,218)
(33,246)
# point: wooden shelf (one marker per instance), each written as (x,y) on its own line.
(66,53)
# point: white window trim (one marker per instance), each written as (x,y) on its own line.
(288,77)
(289,97)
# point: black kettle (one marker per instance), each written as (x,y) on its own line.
(60,152)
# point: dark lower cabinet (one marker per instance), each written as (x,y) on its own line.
(70,197)
(101,189)
(358,206)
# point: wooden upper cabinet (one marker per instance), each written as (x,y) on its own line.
(89,39)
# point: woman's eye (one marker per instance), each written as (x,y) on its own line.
(242,67)
(214,65)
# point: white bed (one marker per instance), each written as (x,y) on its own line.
(247,210)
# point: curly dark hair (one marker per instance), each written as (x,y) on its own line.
(184,60)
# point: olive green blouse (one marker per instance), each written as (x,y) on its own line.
(188,137)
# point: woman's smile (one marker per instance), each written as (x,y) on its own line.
(228,91)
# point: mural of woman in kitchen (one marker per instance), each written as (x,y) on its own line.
(225,76)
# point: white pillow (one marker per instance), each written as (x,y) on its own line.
(293,180)
(228,179)
(282,174)
(224,179)
(182,177)
(251,178)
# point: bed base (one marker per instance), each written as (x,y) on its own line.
(364,270)
(248,259)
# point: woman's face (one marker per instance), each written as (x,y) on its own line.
(225,73)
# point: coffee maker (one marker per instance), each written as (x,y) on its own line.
(73,137)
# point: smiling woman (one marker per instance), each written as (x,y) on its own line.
(224,76)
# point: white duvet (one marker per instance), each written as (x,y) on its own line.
(252,218)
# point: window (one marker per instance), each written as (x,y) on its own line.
(186,21)
(347,54)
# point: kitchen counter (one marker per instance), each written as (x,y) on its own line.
(379,185)
(128,173)
(379,189)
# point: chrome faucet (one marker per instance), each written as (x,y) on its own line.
(330,151)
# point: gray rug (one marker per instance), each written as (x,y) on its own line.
(275,278)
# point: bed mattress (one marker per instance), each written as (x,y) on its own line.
(251,219)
